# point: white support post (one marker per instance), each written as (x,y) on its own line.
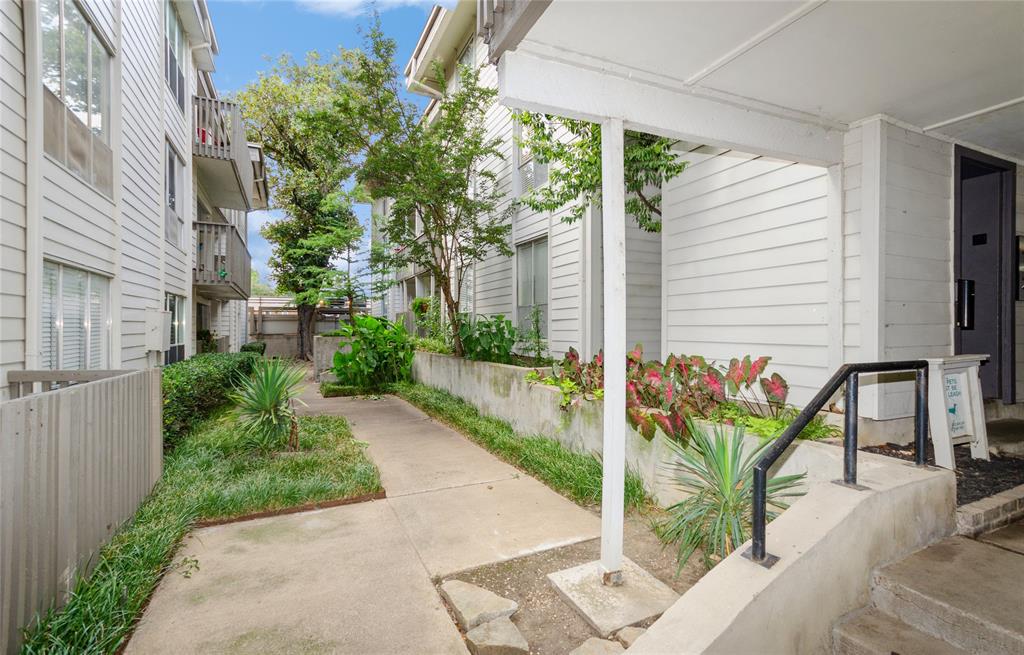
(613,201)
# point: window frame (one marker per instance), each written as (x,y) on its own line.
(175,53)
(523,309)
(177,211)
(98,139)
(525,161)
(58,300)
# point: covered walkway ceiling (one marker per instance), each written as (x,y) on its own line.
(951,68)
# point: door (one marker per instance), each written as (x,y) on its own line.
(986,268)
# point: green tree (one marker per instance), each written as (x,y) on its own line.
(573,147)
(309,174)
(447,210)
(258,287)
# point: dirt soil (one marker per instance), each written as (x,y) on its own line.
(975,478)
(550,625)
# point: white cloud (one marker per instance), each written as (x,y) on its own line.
(352,8)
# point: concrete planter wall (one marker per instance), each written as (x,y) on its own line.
(323,356)
(501,390)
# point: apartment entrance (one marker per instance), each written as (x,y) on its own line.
(988,280)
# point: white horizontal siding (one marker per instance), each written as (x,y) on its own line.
(745,258)
(13,157)
(142,159)
(917,258)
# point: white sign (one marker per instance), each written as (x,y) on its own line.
(956,413)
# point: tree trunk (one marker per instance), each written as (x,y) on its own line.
(453,319)
(306,315)
(352,310)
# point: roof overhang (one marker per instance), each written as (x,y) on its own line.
(953,69)
(443,36)
(195,20)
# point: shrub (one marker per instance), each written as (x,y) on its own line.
(205,342)
(431,345)
(488,339)
(263,404)
(381,353)
(258,347)
(195,387)
(717,478)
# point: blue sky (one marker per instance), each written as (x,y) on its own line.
(252,31)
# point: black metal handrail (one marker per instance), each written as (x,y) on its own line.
(848,374)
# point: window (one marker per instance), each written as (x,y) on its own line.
(176,306)
(175,49)
(76,94)
(75,318)
(465,59)
(532,282)
(174,222)
(532,173)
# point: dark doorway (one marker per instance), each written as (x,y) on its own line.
(985,262)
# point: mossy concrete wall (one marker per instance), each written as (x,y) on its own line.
(323,355)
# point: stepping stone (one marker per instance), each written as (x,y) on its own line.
(475,605)
(595,646)
(628,635)
(497,637)
(608,609)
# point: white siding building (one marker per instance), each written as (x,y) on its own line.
(831,203)
(554,262)
(115,154)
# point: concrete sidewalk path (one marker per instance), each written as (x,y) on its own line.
(360,578)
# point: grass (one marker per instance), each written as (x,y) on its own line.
(209,475)
(574,475)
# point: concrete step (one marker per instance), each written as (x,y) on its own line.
(871,632)
(961,591)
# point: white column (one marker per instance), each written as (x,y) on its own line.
(613,201)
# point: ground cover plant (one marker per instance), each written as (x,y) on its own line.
(212,474)
(380,352)
(194,387)
(575,475)
(717,477)
(661,395)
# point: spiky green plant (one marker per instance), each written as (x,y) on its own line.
(264,402)
(717,477)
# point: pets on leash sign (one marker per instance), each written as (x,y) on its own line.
(956,412)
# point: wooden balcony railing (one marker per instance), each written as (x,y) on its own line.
(220,135)
(222,262)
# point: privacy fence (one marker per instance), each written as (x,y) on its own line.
(75,462)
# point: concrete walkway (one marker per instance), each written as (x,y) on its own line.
(359,578)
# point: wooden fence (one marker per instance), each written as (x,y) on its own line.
(75,463)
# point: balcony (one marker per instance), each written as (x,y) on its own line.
(222,155)
(222,262)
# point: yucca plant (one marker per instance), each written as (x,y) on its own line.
(264,404)
(717,477)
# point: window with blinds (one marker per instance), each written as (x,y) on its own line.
(532,283)
(75,319)
(532,173)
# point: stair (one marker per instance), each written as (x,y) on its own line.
(959,595)
(872,632)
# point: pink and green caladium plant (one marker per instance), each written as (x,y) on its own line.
(775,388)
